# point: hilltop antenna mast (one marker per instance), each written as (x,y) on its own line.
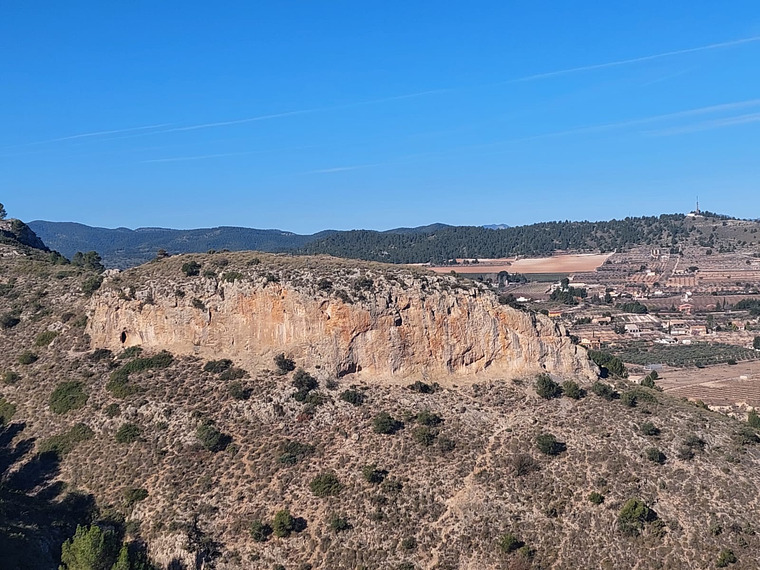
(697,212)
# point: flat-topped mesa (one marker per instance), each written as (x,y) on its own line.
(340,315)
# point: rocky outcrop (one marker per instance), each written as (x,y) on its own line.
(17,231)
(397,324)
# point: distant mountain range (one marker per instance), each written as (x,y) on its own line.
(123,247)
(437,243)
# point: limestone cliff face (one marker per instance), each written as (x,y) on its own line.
(397,326)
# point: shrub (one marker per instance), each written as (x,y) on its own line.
(68,396)
(211,438)
(374,475)
(547,388)
(509,543)
(549,445)
(233,373)
(283,524)
(648,381)
(725,558)
(352,397)
(604,391)
(130,352)
(326,484)
(629,399)
(134,495)
(422,387)
(424,435)
(596,498)
(753,419)
(655,455)
(648,428)
(90,548)
(339,524)
(685,453)
(608,364)
(633,516)
(522,464)
(191,268)
(11,377)
(291,452)
(7,411)
(428,418)
(747,436)
(128,433)
(572,390)
(385,423)
(284,365)
(113,410)
(304,383)
(27,357)
(62,444)
(45,338)
(198,304)
(694,442)
(232,276)
(118,383)
(217,366)
(9,320)
(409,543)
(238,391)
(260,531)
(91,284)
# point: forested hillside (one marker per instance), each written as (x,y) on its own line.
(533,240)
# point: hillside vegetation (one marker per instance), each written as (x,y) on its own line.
(209,465)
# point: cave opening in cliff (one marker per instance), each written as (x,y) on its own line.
(123,337)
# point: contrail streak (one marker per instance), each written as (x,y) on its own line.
(634,60)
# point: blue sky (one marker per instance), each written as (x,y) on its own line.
(311,115)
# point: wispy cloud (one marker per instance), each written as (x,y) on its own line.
(708,125)
(635,60)
(341,168)
(91,135)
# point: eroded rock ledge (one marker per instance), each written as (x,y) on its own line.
(340,315)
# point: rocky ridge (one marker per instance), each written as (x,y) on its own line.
(338,316)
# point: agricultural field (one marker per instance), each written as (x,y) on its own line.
(717,386)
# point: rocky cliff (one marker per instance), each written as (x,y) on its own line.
(15,231)
(335,315)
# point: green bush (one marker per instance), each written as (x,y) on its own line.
(238,391)
(91,284)
(211,438)
(509,543)
(596,498)
(11,377)
(62,444)
(352,397)
(428,418)
(118,383)
(68,396)
(655,455)
(134,495)
(198,304)
(385,423)
(113,410)
(45,338)
(27,357)
(549,445)
(693,441)
(629,399)
(339,524)
(725,558)
(326,485)
(284,365)
(547,388)
(91,548)
(608,364)
(233,374)
(572,390)
(304,383)
(128,433)
(648,381)
(9,320)
(424,435)
(291,452)
(191,268)
(374,475)
(648,428)
(217,366)
(633,516)
(260,531)
(409,543)
(604,391)
(422,387)
(753,419)
(283,524)
(232,276)
(7,411)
